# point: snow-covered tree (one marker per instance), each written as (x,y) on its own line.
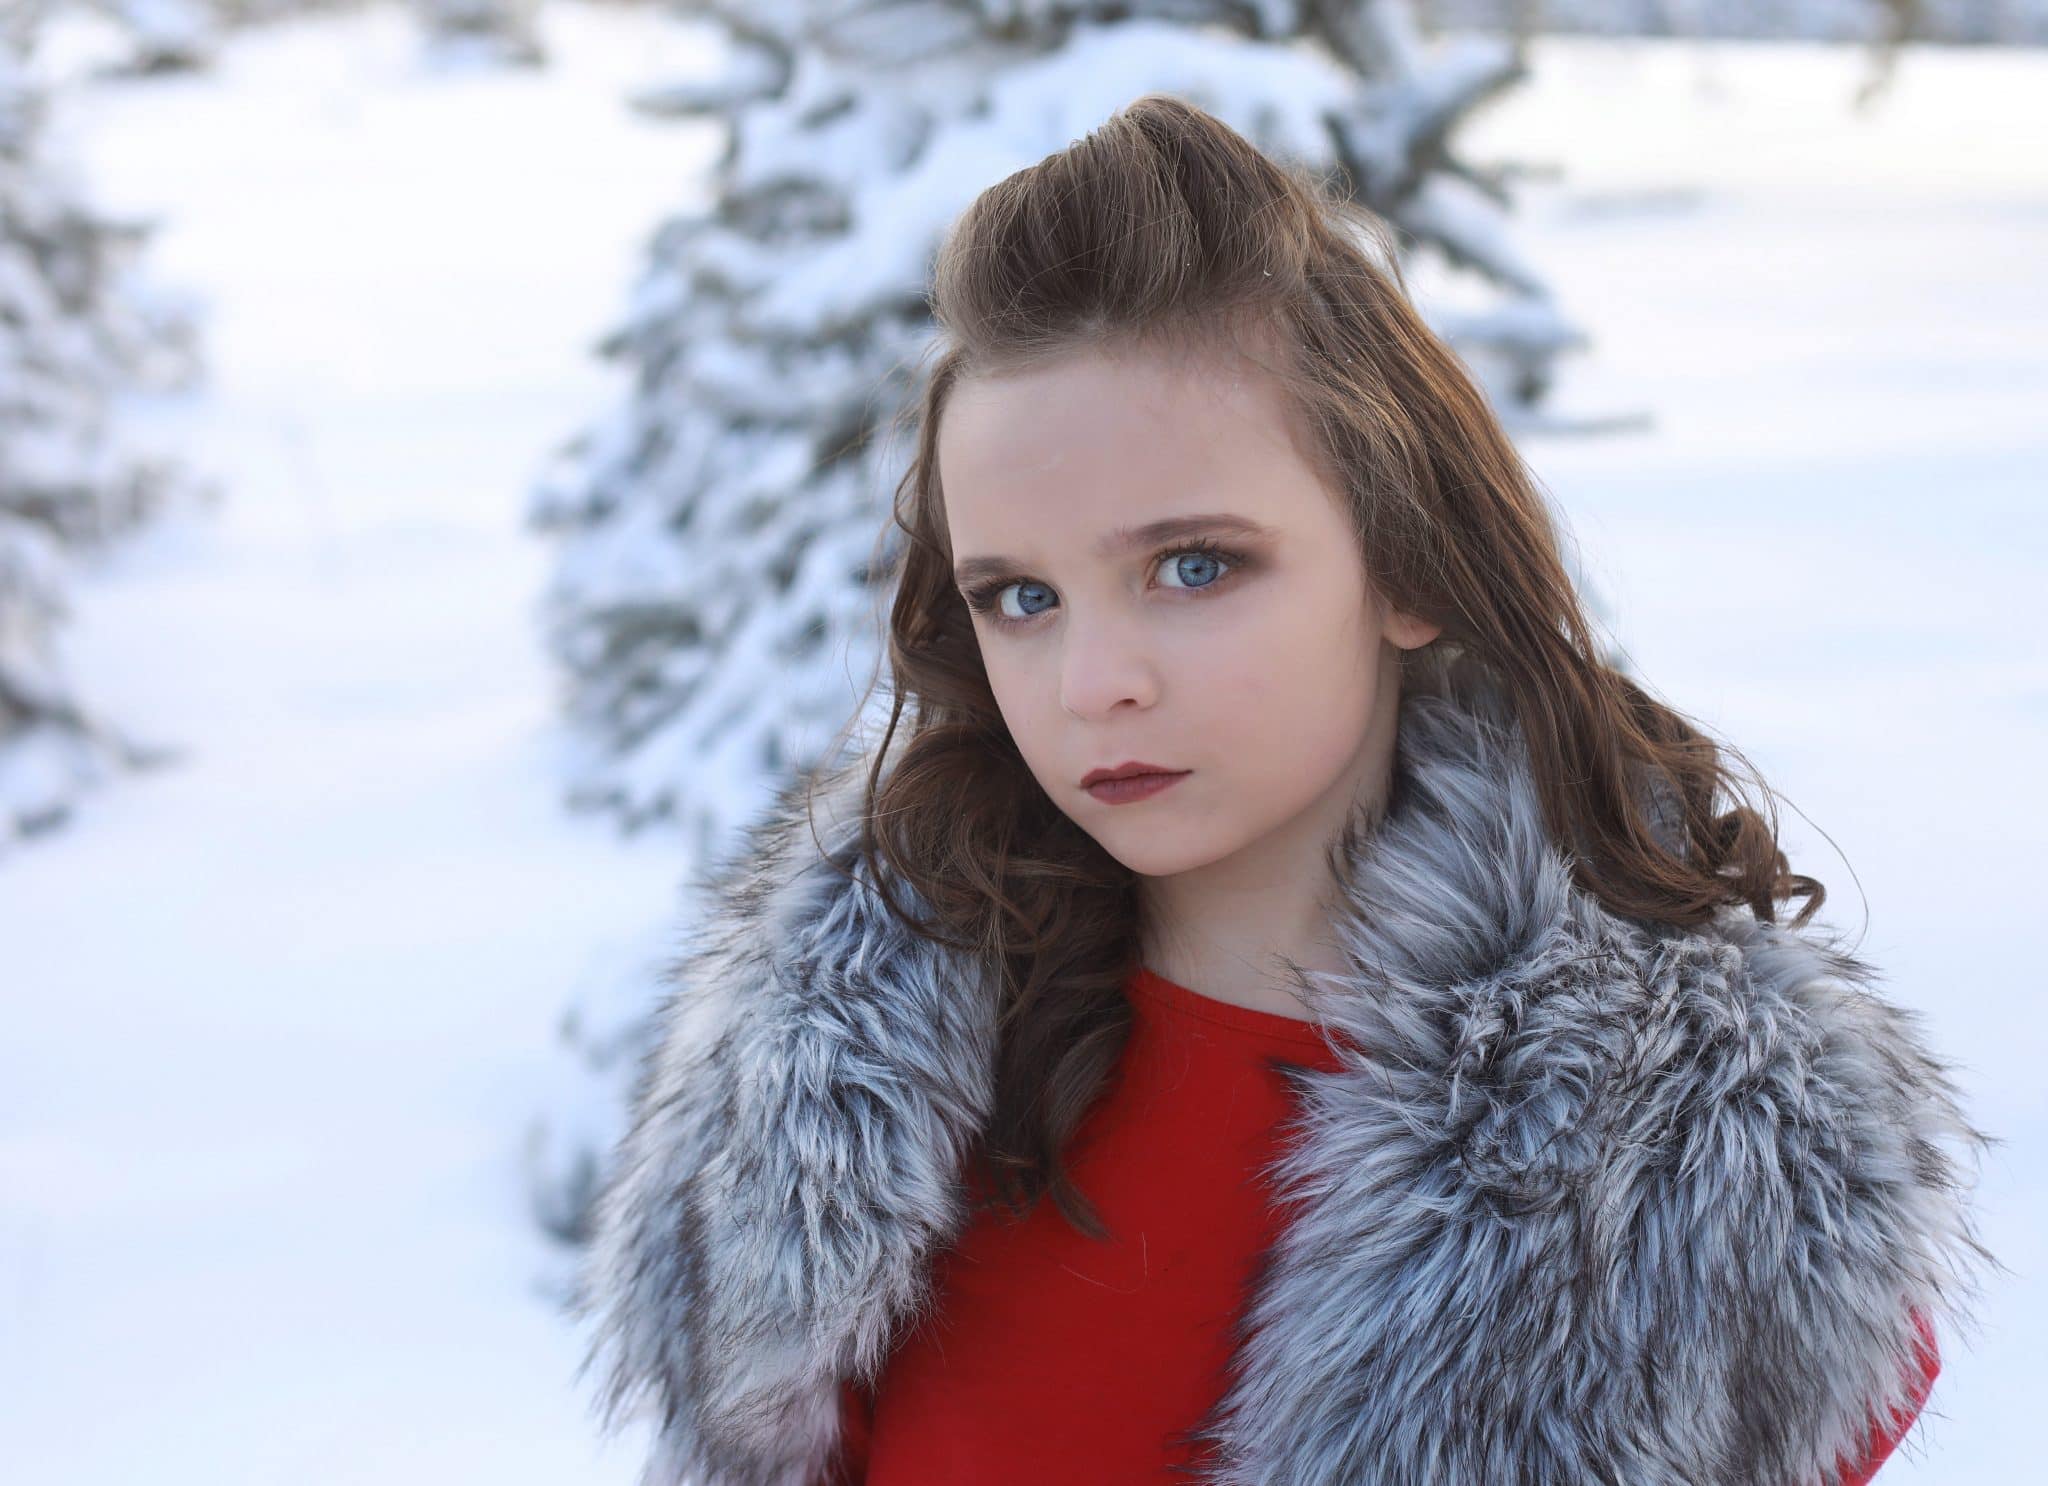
(180,35)
(258,12)
(1877,21)
(165,35)
(175,36)
(718,589)
(77,334)
(491,31)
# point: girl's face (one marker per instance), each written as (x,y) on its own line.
(1157,575)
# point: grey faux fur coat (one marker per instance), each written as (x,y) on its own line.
(1601,1202)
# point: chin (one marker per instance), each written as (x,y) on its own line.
(1157,853)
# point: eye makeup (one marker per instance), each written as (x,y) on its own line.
(981,596)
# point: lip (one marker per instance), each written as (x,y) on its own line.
(1131,782)
(1125,770)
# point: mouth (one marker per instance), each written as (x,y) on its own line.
(1125,770)
(1119,787)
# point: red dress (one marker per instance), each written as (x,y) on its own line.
(1125,1343)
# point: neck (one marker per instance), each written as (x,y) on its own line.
(1234,928)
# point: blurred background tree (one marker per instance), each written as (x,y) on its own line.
(493,31)
(1877,21)
(171,36)
(1884,24)
(80,335)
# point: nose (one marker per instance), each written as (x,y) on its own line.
(1104,663)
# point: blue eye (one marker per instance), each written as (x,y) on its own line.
(1024,589)
(1205,556)
(1201,560)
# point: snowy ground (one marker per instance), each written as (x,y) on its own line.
(277,1017)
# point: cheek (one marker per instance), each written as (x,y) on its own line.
(1295,655)
(1029,710)
(1012,692)
(1296,683)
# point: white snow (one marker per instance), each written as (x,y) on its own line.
(277,1016)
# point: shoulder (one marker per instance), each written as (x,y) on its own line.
(1798,1155)
(1734,1158)
(1653,1203)
(811,1078)
(1787,1036)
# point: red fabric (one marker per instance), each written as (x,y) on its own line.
(1885,1437)
(850,1466)
(1048,1356)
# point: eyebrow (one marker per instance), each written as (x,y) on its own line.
(1124,539)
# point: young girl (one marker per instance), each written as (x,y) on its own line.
(1282,1009)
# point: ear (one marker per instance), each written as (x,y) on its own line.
(1407,631)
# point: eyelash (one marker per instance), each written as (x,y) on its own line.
(982,597)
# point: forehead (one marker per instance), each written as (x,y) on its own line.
(1071,449)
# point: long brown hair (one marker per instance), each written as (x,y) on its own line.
(1166,229)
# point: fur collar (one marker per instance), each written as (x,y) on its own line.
(1605,1202)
